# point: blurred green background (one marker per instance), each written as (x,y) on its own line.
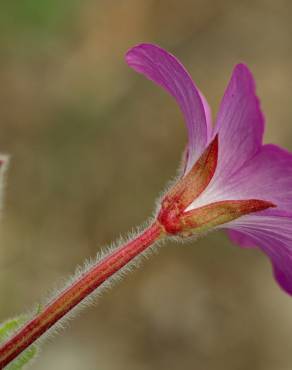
(92,144)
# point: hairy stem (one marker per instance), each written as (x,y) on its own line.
(78,291)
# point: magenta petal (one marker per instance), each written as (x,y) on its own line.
(273,234)
(282,270)
(240,122)
(241,239)
(267,176)
(165,70)
(208,115)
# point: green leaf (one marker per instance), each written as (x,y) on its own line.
(22,359)
(7,329)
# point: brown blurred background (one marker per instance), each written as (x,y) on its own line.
(92,144)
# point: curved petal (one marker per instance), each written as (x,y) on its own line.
(240,239)
(208,115)
(240,122)
(273,234)
(165,70)
(267,176)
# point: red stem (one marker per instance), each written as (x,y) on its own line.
(74,294)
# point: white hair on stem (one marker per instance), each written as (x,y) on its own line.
(89,264)
(92,298)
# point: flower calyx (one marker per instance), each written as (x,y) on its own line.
(188,188)
(176,220)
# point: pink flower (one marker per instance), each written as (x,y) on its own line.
(231,180)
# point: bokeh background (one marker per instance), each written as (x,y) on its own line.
(92,144)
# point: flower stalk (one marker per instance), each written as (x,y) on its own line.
(77,292)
